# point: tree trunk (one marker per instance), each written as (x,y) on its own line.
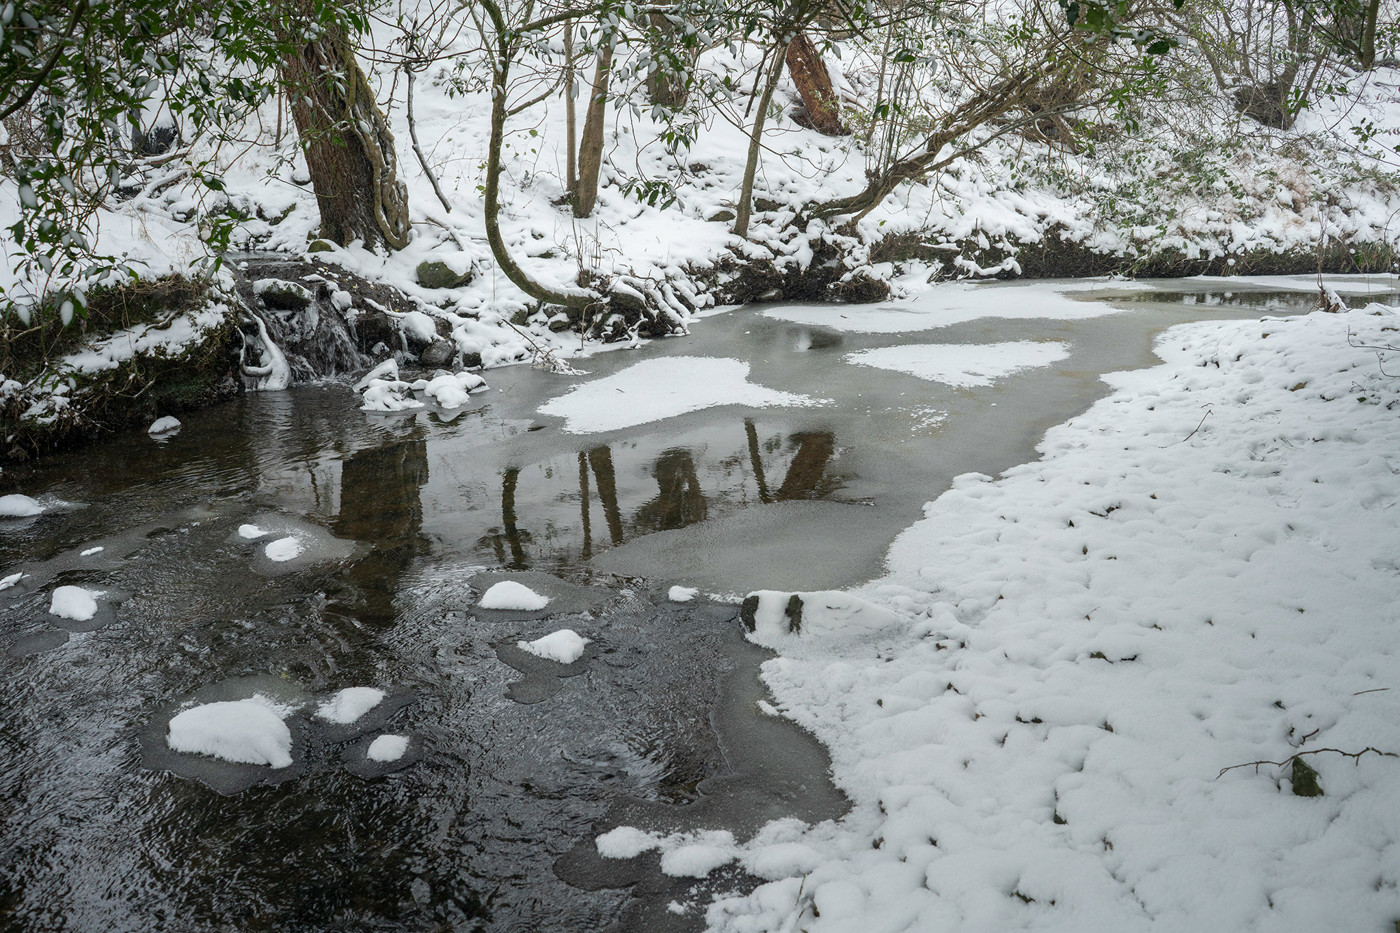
(744,209)
(1367,51)
(668,88)
(590,154)
(804,62)
(570,116)
(349,149)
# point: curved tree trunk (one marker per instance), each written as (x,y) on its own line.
(590,153)
(804,62)
(349,149)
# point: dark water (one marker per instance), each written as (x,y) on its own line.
(516,763)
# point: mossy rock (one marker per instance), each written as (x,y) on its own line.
(437,274)
(721,216)
(321,246)
(282,296)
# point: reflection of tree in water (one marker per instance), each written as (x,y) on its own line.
(806,476)
(680,501)
(508,540)
(600,459)
(380,506)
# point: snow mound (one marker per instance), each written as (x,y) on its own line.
(384,391)
(11,580)
(511,595)
(682,594)
(15,505)
(565,646)
(654,390)
(451,390)
(387,748)
(963,365)
(74,602)
(251,531)
(167,425)
(349,704)
(626,842)
(697,860)
(250,731)
(774,617)
(91,551)
(284,549)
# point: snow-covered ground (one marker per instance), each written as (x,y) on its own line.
(1202,571)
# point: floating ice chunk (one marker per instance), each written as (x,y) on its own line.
(284,548)
(626,842)
(387,748)
(248,731)
(251,531)
(11,580)
(167,425)
(18,506)
(74,602)
(682,594)
(511,595)
(963,365)
(91,551)
(565,646)
(349,705)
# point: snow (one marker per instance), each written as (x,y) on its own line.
(511,595)
(251,532)
(565,646)
(11,580)
(695,861)
(74,602)
(948,304)
(349,705)
(626,842)
(963,365)
(16,505)
(387,748)
(451,390)
(167,425)
(682,594)
(284,549)
(418,325)
(656,389)
(1201,571)
(91,551)
(250,731)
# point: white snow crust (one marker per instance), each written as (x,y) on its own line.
(74,602)
(284,549)
(167,425)
(682,594)
(16,505)
(251,532)
(250,731)
(963,365)
(387,748)
(656,389)
(88,552)
(10,580)
(1201,571)
(511,595)
(349,705)
(565,646)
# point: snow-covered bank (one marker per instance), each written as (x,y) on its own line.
(1202,571)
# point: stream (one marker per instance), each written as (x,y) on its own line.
(514,763)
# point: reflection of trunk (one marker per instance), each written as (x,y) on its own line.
(680,501)
(513,535)
(756,460)
(583,504)
(590,154)
(808,467)
(380,503)
(809,73)
(601,460)
(349,149)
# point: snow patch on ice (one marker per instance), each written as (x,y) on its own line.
(349,705)
(251,531)
(11,580)
(284,549)
(74,602)
(387,748)
(16,505)
(656,389)
(511,595)
(565,646)
(91,551)
(963,365)
(627,842)
(250,731)
(682,594)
